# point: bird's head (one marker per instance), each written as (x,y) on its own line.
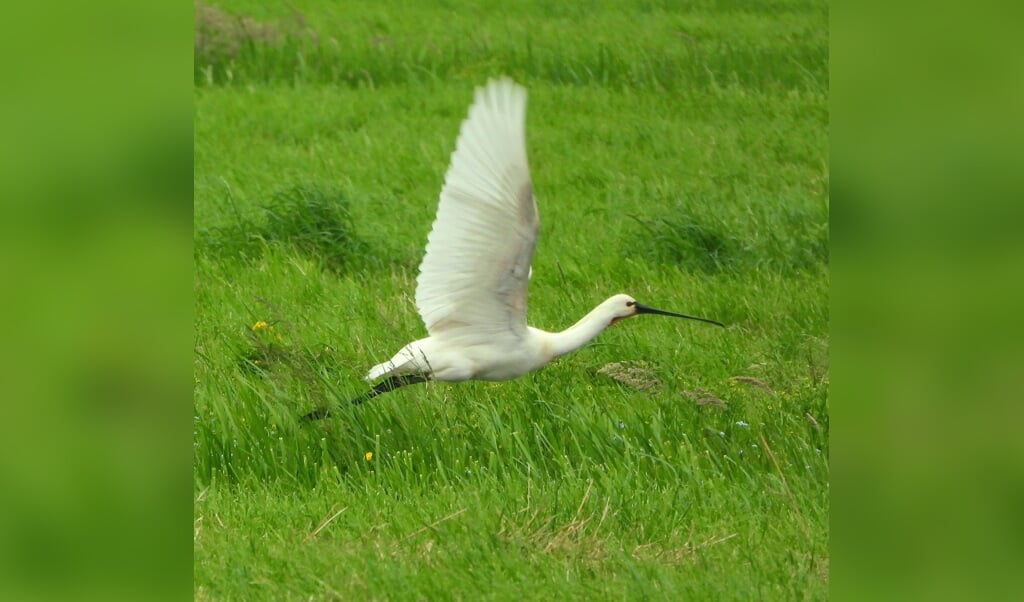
(621,307)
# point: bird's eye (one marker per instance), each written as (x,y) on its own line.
(630,303)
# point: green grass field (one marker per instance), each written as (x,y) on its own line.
(679,154)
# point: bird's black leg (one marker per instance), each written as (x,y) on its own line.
(385,386)
(390,384)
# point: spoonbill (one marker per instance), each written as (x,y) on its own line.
(471,289)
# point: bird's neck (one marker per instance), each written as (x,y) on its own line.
(580,333)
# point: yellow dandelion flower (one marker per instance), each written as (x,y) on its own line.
(259,325)
(369,456)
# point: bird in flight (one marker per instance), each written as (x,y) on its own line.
(471,289)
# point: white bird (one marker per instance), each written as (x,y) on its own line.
(471,289)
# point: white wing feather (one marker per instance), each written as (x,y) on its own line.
(472,282)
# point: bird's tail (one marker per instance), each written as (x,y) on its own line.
(380,370)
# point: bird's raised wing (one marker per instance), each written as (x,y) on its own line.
(472,281)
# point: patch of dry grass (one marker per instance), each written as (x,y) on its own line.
(221,35)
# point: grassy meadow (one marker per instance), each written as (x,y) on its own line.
(679,153)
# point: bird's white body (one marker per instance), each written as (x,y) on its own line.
(471,290)
(474,358)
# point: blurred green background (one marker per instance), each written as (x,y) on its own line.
(96,167)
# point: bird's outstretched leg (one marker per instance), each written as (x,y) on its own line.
(385,386)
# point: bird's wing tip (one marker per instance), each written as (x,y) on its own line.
(503,82)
